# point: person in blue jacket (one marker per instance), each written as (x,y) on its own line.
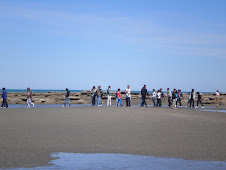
(4,99)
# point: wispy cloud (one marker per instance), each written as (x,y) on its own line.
(145,34)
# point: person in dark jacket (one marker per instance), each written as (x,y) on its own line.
(179,98)
(93,93)
(144,93)
(67,99)
(199,100)
(162,98)
(4,99)
(173,98)
(192,100)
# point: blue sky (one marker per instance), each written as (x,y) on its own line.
(52,44)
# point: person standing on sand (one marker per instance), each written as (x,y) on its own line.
(159,96)
(162,98)
(67,99)
(192,100)
(180,97)
(119,97)
(144,93)
(4,98)
(173,98)
(199,100)
(153,97)
(109,96)
(29,98)
(128,95)
(99,95)
(169,94)
(93,93)
(217,97)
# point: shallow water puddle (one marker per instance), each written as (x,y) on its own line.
(123,161)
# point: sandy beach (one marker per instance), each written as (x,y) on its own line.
(29,136)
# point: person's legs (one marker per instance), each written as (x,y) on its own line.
(68,99)
(127,102)
(6,103)
(108,100)
(120,102)
(174,103)
(153,100)
(2,103)
(28,102)
(98,100)
(160,102)
(193,103)
(179,101)
(93,101)
(169,102)
(116,101)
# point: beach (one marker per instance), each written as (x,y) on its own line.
(30,136)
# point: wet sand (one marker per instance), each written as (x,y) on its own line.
(29,136)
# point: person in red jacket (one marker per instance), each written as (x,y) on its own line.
(119,97)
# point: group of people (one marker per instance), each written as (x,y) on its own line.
(174,98)
(97,93)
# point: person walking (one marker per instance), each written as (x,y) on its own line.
(67,99)
(189,99)
(217,97)
(93,94)
(180,97)
(109,96)
(169,94)
(153,97)
(173,98)
(128,96)
(119,97)
(144,93)
(99,95)
(162,98)
(159,96)
(199,100)
(29,98)
(192,100)
(4,98)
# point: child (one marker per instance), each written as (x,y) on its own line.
(4,99)
(159,98)
(199,100)
(119,97)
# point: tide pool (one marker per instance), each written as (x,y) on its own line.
(103,161)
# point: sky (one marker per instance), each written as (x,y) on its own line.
(53,44)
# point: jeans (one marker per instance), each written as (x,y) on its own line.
(93,100)
(179,101)
(192,102)
(169,101)
(143,101)
(198,102)
(98,100)
(67,100)
(158,103)
(109,101)
(128,101)
(4,103)
(29,103)
(119,100)
(153,100)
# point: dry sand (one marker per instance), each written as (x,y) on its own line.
(29,136)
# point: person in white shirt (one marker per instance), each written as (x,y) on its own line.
(169,94)
(217,97)
(158,99)
(153,97)
(128,96)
